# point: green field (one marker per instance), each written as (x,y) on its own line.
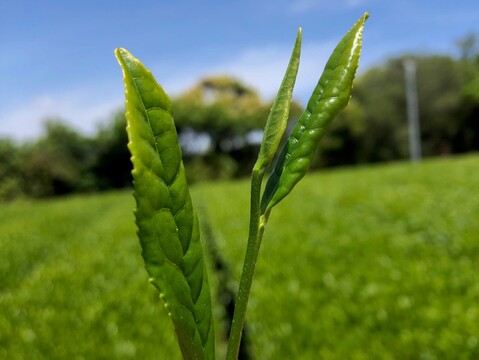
(370,263)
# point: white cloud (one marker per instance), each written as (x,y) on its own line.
(81,109)
(262,68)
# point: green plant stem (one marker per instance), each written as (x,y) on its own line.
(256,230)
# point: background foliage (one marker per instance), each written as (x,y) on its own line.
(219,122)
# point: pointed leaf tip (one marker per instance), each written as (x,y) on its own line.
(121,52)
(279,113)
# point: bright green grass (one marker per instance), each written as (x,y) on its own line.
(377,262)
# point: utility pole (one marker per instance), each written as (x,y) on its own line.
(412,110)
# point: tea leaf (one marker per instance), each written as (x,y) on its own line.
(278,115)
(167,223)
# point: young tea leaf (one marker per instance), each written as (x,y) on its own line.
(167,223)
(278,115)
(330,96)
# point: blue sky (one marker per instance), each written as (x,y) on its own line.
(57,58)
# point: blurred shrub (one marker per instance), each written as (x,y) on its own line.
(210,167)
(10,182)
(112,165)
(58,163)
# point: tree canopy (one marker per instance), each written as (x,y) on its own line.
(374,125)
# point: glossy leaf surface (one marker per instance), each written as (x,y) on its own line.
(330,96)
(167,223)
(279,113)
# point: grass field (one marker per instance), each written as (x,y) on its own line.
(370,263)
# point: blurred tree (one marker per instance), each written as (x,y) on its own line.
(112,166)
(468,138)
(10,179)
(58,163)
(440,82)
(222,106)
(377,120)
(228,111)
(468,47)
(374,125)
(342,142)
